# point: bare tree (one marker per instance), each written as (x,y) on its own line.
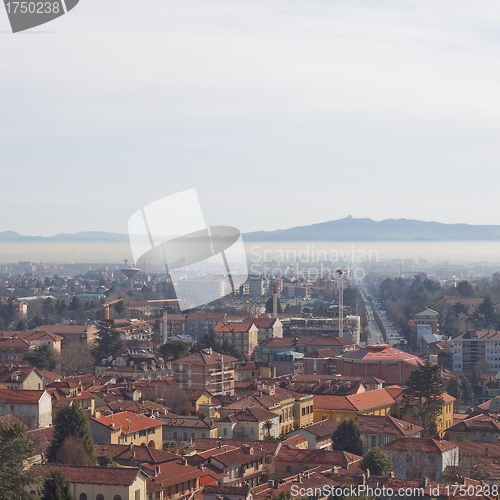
(72,452)
(76,358)
(171,396)
(253,310)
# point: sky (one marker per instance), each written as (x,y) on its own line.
(279,113)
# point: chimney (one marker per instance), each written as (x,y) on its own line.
(426,482)
(184,461)
(157,470)
(367,473)
(220,444)
(130,446)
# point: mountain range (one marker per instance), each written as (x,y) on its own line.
(347,229)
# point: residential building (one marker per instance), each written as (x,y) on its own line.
(242,463)
(205,370)
(483,428)
(246,370)
(33,407)
(127,428)
(42,337)
(294,461)
(428,317)
(85,333)
(377,430)
(444,418)
(381,361)
(196,399)
(250,423)
(100,483)
(21,378)
(13,349)
(474,345)
(64,392)
(172,481)
(270,349)
(269,328)
(187,429)
(340,408)
(318,434)
(294,410)
(242,335)
(415,458)
(201,322)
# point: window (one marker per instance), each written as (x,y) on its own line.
(289,468)
(99,497)
(83,496)
(142,434)
(118,497)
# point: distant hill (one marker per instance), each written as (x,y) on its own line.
(351,229)
(347,229)
(83,236)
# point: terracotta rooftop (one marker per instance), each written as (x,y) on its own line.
(382,352)
(323,457)
(24,396)
(170,474)
(354,402)
(144,454)
(223,327)
(204,357)
(252,414)
(320,429)
(127,421)
(422,445)
(375,424)
(116,476)
(204,444)
(189,422)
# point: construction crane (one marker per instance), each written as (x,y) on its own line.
(110,303)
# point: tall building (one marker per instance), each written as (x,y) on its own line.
(470,347)
(206,370)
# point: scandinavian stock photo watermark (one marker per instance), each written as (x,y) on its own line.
(308,260)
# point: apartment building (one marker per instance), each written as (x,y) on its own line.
(242,335)
(474,345)
(206,370)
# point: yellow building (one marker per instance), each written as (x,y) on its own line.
(443,420)
(127,428)
(340,408)
(195,398)
(294,409)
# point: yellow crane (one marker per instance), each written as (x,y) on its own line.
(110,303)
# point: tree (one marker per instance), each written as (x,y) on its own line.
(454,388)
(464,289)
(71,421)
(347,437)
(376,462)
(485,316)
(55,487)
(42,357)
(75,359)
(467,392)
(15,448)
(174,348)
(73,452)
(423,397)
(108,342)
(269,306)
(171,396)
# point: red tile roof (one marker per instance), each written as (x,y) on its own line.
(143,454)
(23,396)
(376,353)
(354,402)
(116,476)
(171,474)
(127,421)
(205,358)
(423,445)
(321,457)
(375,424)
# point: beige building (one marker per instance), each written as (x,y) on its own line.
(71,333)
(34,408)
(127,428)
(244,336)
(21,378)
(100,483)
(205,370)
(250,423)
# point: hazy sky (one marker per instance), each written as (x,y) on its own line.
(280,113)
